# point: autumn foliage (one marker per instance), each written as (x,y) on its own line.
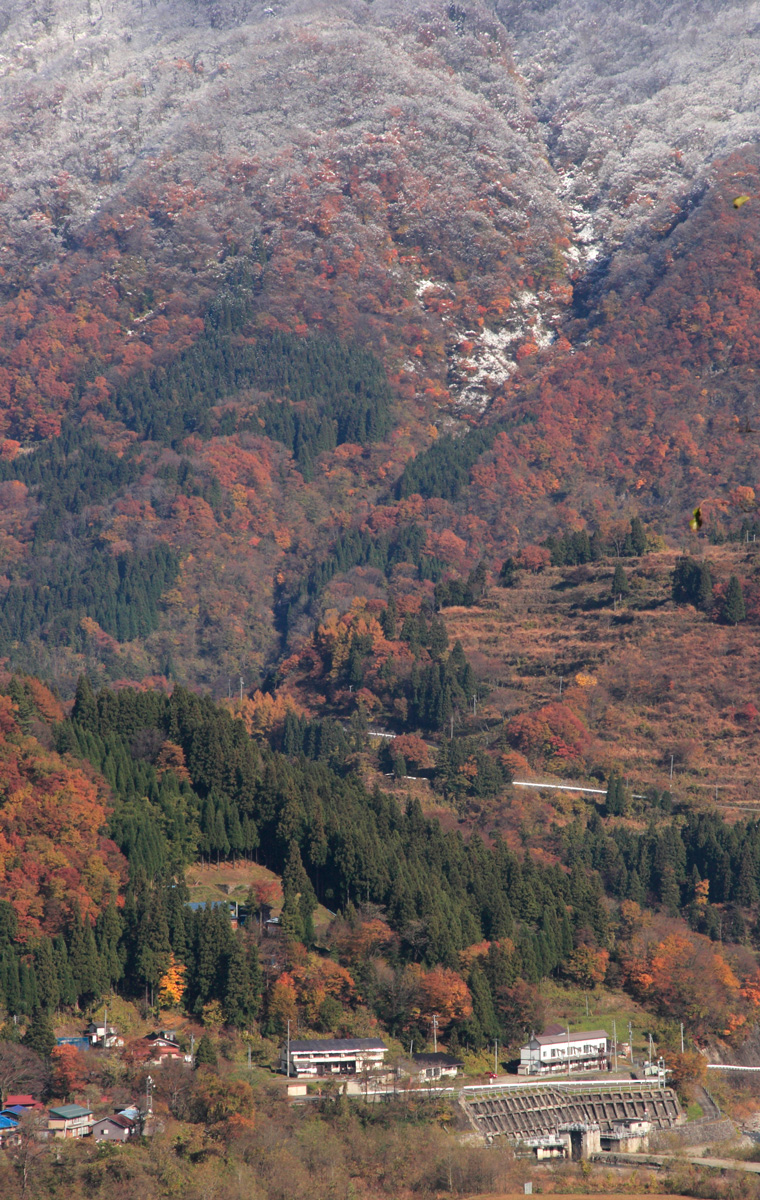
(53,850)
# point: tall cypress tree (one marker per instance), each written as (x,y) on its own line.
(109,928)
(39,1035)
(482,1003)
(733,604)
(48,991)
(620,585)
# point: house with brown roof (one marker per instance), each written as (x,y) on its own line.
(116,1128)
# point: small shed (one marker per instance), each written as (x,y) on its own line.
(81,1043)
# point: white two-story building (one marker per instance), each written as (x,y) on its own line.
(332,1056)
(556,1049)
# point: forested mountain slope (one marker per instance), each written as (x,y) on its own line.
(307,301)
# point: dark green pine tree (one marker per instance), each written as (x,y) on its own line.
(67,991)
(29,999)
(85,710)
(746,886)
(46,975)
(388,619)
(205,1055)
(615,803)
(482,1003)
(211,943)
(291,921)
(153,949)
(11,983)
(638,536)
(508,573)
(39,1035)
(109,930)
(733,603)
(242,992)
(620,585)
(704,595)
(85,963)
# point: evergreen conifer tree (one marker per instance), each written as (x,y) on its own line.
(620,585)
(615,804)
(48,992)
(205,1055)
(39,1035)
(704,587)
(85,710)
(733,604)
(482,1003)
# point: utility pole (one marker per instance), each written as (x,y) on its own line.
(586,995)
(241,690)
(496,1057)
(435,1033)
(650,1050)
(149,1094)
(568,1049)
(682,1037)
(630,1041)
(288,1052)
(614,1042)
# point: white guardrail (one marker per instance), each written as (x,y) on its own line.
(729,1067)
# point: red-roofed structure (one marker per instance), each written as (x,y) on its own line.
(23,1100)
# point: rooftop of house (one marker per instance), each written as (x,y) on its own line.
(559,1039)
(437,1059)
(69,1112)
(24,1099)
(117,1119)
(348,1044)
(7,1122)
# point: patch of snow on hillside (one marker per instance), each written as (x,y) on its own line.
(475,376)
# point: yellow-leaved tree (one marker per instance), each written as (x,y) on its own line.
(171,988)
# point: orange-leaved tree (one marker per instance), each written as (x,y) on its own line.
(68,1071)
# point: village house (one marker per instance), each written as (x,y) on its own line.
(23,1101)
(436,1066)
(70,1121)
(164,1047)
(332,1056)
(557,1050)
(116,1128)
(97,1035)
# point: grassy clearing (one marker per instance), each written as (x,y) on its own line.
(231,881)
